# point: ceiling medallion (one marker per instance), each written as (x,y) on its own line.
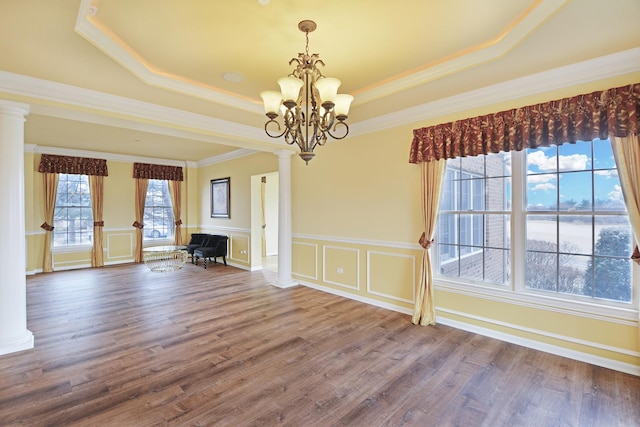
(310,104)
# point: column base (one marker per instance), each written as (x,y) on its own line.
(20,343)
(283,284)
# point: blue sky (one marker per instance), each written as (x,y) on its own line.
(567,170)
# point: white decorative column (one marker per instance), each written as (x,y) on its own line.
(284,220)
(14,335)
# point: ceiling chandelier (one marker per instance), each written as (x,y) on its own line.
(310,104)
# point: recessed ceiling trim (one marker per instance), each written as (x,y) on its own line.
(119,51)
(575,74)
(65,101)
(112,45)
(43,149)
(73,98)
(94,118)
(236,154)
(489,51)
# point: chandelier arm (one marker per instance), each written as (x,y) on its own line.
(320,139)
(290,137)
(326,120)
(346,130)
(266,129)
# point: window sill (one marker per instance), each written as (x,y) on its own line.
(627,316)
(71,249)
(157,242)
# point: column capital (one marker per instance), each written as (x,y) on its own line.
(284,154)
(14,108)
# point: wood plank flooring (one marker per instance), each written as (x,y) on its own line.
(121,346)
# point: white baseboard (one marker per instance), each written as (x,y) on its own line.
(541,346)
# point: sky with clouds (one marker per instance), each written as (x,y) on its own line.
(572,172)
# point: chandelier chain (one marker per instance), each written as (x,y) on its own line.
(306,50)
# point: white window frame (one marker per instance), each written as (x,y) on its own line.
(150,227)
(72,247)
(476,247)
(516,292)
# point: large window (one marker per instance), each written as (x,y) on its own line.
(158,211)
(578,233)
(568,234)
(73,218)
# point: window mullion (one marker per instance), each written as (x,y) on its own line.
(518,220)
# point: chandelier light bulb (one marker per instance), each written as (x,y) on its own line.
(272,101)
(343,102)
(290,87)
(327,89)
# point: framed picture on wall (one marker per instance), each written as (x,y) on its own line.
(220,198)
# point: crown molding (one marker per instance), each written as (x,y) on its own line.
(125,56)
(116,48)
(225,157)
(489,51)
(114,107)
(65,101)
(42,149)
(604,67)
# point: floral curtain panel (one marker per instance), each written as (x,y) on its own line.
(612,112)
(148,171)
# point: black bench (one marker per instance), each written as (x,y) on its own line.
(214,246)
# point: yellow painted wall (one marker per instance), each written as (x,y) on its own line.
(238,226)
(359,187)
(372,272)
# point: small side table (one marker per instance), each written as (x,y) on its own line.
(163,259)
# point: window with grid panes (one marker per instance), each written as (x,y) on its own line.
(73,217)
(565,232)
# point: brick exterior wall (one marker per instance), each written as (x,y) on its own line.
(491,264)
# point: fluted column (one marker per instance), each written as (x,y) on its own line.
(14,335)
(284,220)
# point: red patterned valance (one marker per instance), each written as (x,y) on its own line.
(73,165)
(612,112)
(148,171)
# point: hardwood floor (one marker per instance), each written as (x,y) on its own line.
(121,346)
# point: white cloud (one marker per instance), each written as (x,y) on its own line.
(538,179)
(543,187)
(570,162)
(616,194)
(607,174)
(539,159)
